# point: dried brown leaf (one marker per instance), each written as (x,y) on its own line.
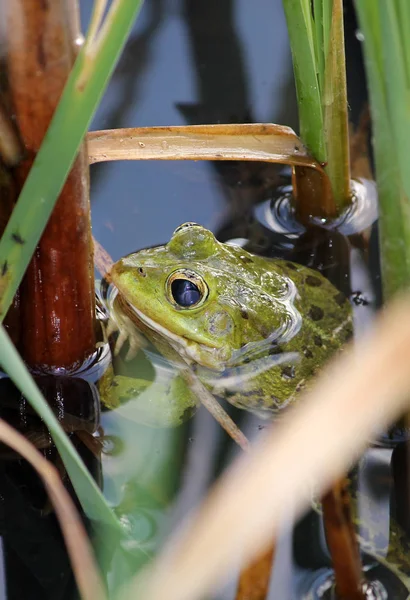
(253,142)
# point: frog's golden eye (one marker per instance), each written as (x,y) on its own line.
(186,289)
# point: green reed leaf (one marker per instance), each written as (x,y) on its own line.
(317,44)
(80,98)
(387,59)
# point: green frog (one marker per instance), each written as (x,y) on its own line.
(253,329)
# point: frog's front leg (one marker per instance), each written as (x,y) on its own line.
(117,389)
(126,332)
(165,401)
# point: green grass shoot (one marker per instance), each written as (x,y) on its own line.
(387,55)
(317,43)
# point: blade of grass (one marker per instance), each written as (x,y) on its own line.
(326,15)
(334,99)
(70,122)
(215,409)
(87,490)
(397,89)
(317,44)
(299,20)
(79,549)
(394,196)
(403,16)
(319,41)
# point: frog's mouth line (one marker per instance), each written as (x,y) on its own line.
(192,352)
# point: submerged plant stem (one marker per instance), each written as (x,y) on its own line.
(87,491)
(342,542)
(255,578)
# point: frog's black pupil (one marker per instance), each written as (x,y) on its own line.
(185,292)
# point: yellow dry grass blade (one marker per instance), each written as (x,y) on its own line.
(79,548)
(253,142)
(264,142)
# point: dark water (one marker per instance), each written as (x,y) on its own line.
(187,62)
(190,62)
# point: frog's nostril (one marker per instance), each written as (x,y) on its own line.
(142,272)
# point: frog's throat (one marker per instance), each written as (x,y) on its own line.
(191,352)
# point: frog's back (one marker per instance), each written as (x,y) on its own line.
(325,309)
(325,324)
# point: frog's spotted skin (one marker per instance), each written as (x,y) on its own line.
(255,329)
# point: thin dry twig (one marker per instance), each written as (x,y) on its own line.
(102,260)
(361,392)
(216,410)
(79,549)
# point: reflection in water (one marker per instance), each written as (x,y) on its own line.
(214,61)
(134,66)
(384,546)
(223,84)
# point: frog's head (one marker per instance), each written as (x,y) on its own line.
(193,291)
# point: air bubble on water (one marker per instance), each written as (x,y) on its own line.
(359,35)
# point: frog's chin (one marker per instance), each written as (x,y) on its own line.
(192,352)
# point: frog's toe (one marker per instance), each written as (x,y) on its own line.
(136,342)
(119,342)
(112,327)
(126,332)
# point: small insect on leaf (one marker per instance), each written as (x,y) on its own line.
(16,237)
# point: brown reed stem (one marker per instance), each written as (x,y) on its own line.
(57,294)
(254,579)
(342,542)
